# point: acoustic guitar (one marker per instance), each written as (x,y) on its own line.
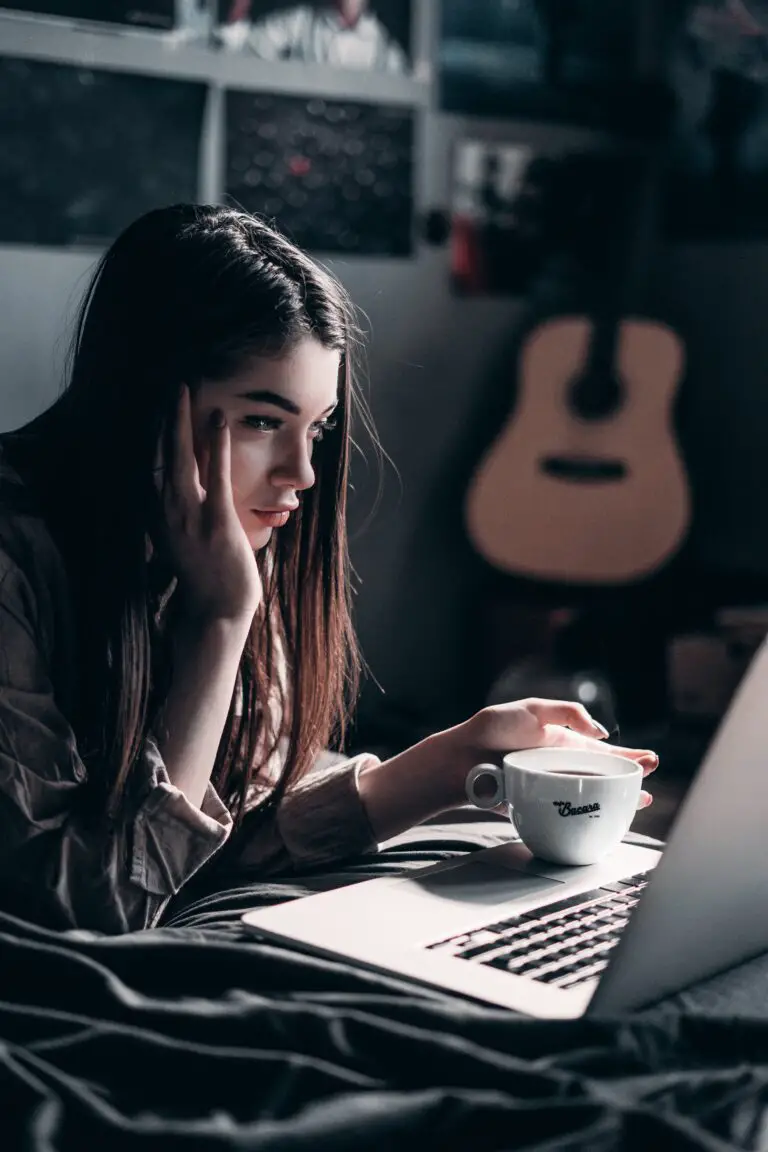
(585,483)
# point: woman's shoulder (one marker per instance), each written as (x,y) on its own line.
(20,513)
(27,550)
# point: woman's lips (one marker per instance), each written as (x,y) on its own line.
(271,519)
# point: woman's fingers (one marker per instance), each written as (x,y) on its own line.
(566,713)
(556,736)
(219,497)
(536,723)
(185,480)
(644,756)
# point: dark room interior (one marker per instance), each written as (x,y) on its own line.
(551,219)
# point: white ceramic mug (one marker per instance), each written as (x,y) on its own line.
(569,807)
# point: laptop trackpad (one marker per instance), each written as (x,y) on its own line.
(483,882)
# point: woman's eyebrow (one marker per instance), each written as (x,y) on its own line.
(265,396)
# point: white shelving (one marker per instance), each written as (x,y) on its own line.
(162,54)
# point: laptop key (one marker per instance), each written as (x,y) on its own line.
(469,952)
(557,966)
(448,947)
(549,977)
(562,905)
(642,878)
(501,945)
(522,929)
(581,975)
(499,957)
(484,936)
(501,925)
(638,881)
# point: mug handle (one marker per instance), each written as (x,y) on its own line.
(474,774)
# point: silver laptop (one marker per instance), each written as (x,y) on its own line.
(502,927)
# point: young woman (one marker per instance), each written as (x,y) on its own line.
(175,640)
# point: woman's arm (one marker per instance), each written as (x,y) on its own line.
(219,588)
(429,777)
(347,809)
(206,660)
(413,786)
(54,867)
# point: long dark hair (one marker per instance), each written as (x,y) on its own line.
(185,294)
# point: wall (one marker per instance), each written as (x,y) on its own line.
(430,356)
(720,293)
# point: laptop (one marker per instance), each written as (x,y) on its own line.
(504,928)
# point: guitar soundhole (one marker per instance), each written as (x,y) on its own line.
(584,470)
(596,395)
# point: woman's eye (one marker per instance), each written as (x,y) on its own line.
(262,423)
(320,429)
(271,424)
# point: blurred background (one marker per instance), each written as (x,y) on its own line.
(553,214)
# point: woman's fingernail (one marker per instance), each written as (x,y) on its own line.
(650,758)
(217,418)
(604,733)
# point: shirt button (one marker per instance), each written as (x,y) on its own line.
(80,773)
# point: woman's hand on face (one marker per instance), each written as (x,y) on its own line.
(535,723)
(218,578)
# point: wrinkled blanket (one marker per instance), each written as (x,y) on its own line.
(194,1036)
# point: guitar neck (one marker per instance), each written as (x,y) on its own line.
(651,30)
(609,250)
(626,288)
(623,273)
(556,17)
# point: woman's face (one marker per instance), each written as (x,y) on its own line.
(276,411)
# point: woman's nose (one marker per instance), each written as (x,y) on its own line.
(296,469)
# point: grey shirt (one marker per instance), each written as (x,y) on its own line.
(53,866)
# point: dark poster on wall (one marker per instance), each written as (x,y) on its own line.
(717,187)
(374,35)
(140,13)
(559,60)
(84,152)
(336,176)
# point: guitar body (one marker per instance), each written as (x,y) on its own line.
(586,501)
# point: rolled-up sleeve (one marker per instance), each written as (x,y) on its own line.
(54,866)
(320,820)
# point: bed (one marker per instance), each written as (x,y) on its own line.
(194,1036)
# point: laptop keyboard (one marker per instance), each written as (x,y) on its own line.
(561,944)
